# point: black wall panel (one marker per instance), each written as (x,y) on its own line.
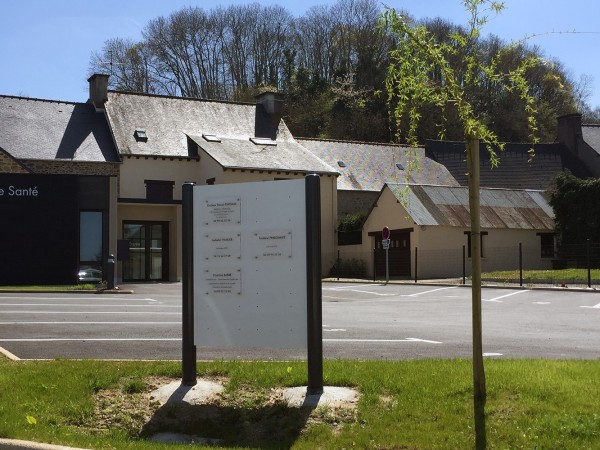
(39,229)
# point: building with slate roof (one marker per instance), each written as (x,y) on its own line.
(516,169)
(58,182)
(166,141)
(430,229)
(582,141)
(365,167)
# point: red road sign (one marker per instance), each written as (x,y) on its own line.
(385,233)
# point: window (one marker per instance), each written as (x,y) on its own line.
(90,236)
(547,245)
(159,191)
(468,233)
(140,135)
(90,247)
(211,138)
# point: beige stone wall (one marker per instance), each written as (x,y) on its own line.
(328,206)
(440,248)
(135,170)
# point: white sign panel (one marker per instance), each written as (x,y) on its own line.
(250,265)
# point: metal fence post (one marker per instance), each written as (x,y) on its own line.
(589,265)
(464,266)
(416,262)
(374,266)
(520,264)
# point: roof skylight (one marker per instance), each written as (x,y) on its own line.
(262,141)
(341,163)
(211,138)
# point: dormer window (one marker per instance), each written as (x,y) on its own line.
(341,163)
(211,138)
(263,141)
(140,135)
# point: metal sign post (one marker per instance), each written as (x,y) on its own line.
(385,242)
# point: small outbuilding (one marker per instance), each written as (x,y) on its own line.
(430,231)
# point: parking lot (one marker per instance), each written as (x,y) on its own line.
(360,321)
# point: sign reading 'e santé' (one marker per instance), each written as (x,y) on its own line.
(19,191)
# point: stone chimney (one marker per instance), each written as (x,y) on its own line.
(569,132)
(269,111)
(98,90)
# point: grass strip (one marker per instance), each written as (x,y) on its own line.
(425,404)
(58,288)
(579,276)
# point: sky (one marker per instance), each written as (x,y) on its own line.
(45,45)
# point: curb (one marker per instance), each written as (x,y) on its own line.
(468,285)
(70,291)
(16,444)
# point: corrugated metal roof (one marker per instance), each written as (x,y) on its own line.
(368,166)
(244,154)
(500,208)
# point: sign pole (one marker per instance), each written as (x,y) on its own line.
(313,280)
(385,241)
(188,357)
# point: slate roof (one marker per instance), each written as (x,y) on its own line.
(514,171)
(500,208)
(170,121)
(51,130)
(241,153)
(368,166)
(591,135)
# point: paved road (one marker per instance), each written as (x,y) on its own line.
(362,321)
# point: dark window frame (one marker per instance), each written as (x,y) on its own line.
(547,249)
(159,191)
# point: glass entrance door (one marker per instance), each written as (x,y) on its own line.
(148,251)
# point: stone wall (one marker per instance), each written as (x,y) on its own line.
(10,165)
(72,167)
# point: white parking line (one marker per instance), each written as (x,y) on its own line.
(430,291)
(592,307)
(87,305)
(345,288)
(384,340)
(90,323)
(91,340)
(96,297)
(497,299)
(92,312)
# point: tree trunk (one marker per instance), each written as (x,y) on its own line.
(479,391)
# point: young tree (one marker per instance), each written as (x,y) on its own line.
(445,74)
